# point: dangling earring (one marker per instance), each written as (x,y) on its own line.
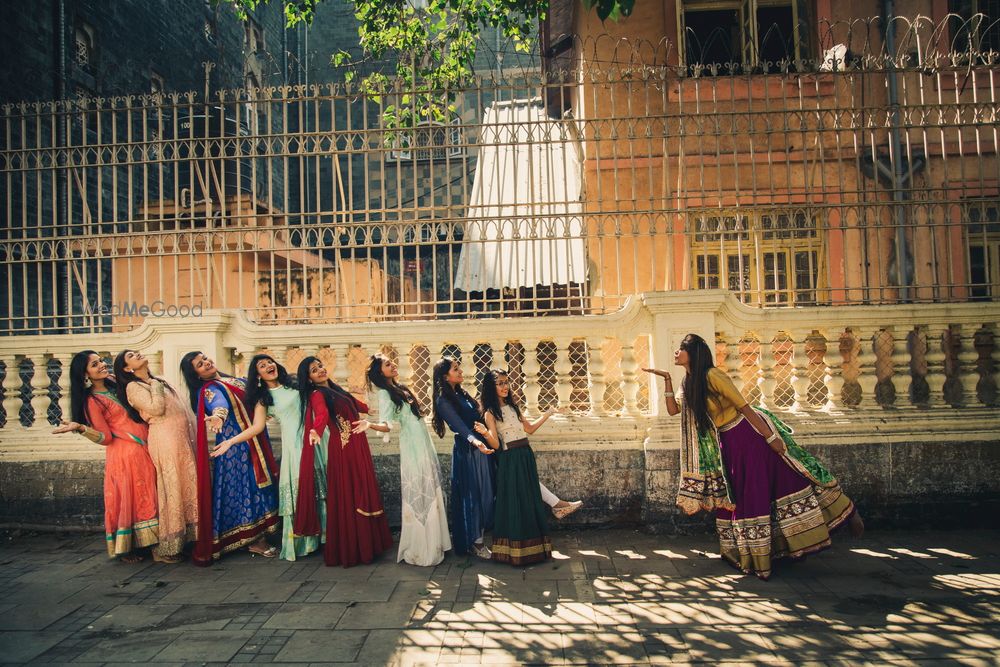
(87,383)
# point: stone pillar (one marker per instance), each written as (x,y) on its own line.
(40,400)
(833,373)
(564,373)
(901,379)
(596,384)
(734,365)
(64,359)
(800,372)
(867,375)
(12,394)
(530,370)
(935,365)
(178,336)
(765,374)
(342,373)
(968,365)
(630,380)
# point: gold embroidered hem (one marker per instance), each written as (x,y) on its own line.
(124,540)
(364,513)
(173,545)
(798,525)
(521,552)
(703,492)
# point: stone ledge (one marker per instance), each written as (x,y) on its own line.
(905,468)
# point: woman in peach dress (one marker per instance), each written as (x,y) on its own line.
(171,446)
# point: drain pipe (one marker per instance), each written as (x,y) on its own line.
(903,268)
(62,178)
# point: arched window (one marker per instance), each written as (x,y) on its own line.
(84,47)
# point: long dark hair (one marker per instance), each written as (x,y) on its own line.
(78,391)
(491,400)
(398,393)
(306,387)
(696,393)
(123,379)
(192,379)
(441,389)
(257,391)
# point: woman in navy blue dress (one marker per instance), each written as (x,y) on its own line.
(473,474)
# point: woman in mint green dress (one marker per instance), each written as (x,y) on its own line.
(424,536)
(272,393)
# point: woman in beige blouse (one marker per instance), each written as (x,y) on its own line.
(171,438)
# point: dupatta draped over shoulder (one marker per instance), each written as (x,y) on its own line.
(265,470)
(703,484)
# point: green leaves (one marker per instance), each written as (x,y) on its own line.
(426,52)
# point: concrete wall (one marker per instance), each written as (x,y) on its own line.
(917,471)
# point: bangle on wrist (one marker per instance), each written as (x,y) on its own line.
(668,394)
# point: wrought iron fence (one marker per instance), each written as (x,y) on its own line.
(857,175)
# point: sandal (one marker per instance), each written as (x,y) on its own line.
(130,559)
(567,509)
(482,551)
(172,559)
(269,552)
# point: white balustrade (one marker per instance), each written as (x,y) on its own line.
(218,332)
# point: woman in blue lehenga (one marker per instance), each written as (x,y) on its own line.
(473,473)
(237,489)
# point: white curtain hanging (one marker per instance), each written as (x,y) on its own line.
(525,226)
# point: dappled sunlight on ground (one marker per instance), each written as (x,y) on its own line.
(609,596)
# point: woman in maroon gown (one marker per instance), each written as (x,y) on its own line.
(357,530)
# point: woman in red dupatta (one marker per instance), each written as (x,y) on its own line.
(357,530)
(237,484)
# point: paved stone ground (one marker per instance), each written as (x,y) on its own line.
(611,596)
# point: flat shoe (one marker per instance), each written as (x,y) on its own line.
(269,552)
(565,511)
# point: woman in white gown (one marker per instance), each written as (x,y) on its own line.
(424,537)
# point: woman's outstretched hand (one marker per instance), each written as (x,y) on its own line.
(656,371)
(67,427)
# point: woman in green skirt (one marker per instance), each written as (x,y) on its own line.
(520,528)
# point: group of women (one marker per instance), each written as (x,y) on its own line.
(206,474)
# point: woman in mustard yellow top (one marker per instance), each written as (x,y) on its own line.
(771,498)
